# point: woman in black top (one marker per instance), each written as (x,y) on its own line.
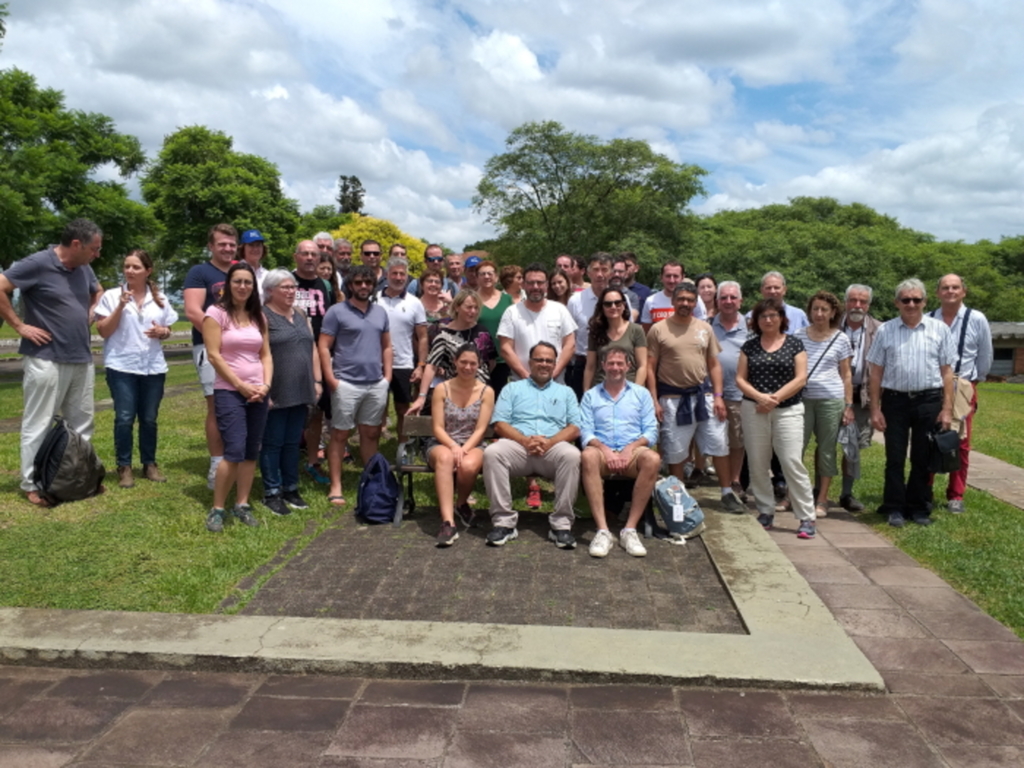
(771,374)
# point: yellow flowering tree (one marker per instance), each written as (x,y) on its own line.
(387,234)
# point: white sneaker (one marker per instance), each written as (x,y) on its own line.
(602,544)
(630,542)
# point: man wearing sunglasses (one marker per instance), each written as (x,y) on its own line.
(911,386)
(433,256)
(370,253)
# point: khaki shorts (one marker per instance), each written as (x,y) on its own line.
(632,469)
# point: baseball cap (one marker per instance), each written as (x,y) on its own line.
(473,261)
(252,236)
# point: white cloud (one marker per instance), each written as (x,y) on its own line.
(776,132)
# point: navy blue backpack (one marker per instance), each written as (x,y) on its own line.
(380,494)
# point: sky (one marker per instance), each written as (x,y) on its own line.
(913,108)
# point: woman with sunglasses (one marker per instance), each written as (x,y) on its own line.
(771,374)
(611,328)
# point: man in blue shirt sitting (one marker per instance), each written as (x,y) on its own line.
(537,419)
(618,429)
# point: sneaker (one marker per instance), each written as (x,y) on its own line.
(314,471)
(602,544)
(215,520)
(152,473)
(850,504)
(276,505)
(767,521)
(732,504)
(125,478)
(244,514)
(562,539)
(466,515)
(294,500)
(896,520)
(498,535)
(630,542)
(922,519)
(956,506)
(449,533)
(533,497)
(806,530)
(741,494)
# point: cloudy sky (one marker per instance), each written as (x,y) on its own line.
(914,108)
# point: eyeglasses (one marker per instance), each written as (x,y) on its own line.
(360,282)
(911,300)
(435,259)
(612,303)
(536,282)
(371,253)
(543,360)
(288,287)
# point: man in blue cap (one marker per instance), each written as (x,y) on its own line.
(471,265)
(254,248)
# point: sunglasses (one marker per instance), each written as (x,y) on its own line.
(612,303)
(435,259)
(371,253)
(360,282)
(911,300)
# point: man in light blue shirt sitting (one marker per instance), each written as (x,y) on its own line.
(536,420)
(618,429)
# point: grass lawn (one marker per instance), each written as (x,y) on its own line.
(999,424)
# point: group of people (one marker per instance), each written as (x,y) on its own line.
(580,368)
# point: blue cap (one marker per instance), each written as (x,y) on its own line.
(251,236)
(473,261)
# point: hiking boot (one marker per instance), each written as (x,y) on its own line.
(125,478)
(806,530)
(896,520)
(767,521)
(276,505)
(602,544)
(152,473)
(293,500)
(244,514)
(630,542)
(956,506)
(215,520)
(533,496)
(732,504)
(563,539)
(466,515)
(498,535)
(850,503)
(314,471)
(449,533)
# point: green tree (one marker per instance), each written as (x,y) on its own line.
(323,218)
(199,180)
(554,191)
(350,194)
(3,21)
(49,156)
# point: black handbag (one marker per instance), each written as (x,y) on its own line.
(943,451)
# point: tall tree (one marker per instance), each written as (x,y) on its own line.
(554,191)
(350,194)
(49,156)
(199,180)
(323,218)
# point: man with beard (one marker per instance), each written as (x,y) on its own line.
(620,271)
(661,305)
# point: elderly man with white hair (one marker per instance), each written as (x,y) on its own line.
(730,328)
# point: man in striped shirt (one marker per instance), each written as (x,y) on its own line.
(911,389)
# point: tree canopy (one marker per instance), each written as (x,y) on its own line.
(361,228)
(350,194)
(554,191)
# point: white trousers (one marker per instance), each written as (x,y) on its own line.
(781,429)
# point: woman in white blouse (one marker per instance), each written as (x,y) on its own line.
(133,319)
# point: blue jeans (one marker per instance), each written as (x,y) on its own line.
(135,396)
(279,458)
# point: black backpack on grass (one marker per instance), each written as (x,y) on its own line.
(66,466)
(380,493)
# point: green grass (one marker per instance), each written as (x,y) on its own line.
(980,553)
(999,424)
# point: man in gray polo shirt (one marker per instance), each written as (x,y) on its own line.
(59,291)
(355,352)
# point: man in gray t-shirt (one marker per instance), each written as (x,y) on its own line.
(59,292)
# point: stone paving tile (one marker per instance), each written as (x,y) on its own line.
(844,541)
(416,733)
(1016,706)
(903,576)
(984,757)
(990,657)
(200,690)
(733,714)
(166,736)
(1007,686)
(34,757)
(46,721)
(812,706)
(830,574)
(965,721)
(413,694)
(870,557)
(311,686)
(108,684)
(515,708)
(501,750)
(636,698)
(930,599)
(918,684)
(15,691)
(909,655)
(855,596)
(861,744)
(267,713)
(773,753)
(656,738)
(264,749)
(964,625)
(862,623)
(333,761)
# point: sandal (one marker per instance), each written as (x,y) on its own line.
(337,501)
(34,498)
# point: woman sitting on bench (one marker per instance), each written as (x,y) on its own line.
(461,411)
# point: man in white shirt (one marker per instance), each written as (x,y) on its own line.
(660,305)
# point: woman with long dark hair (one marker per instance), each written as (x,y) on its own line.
(707,290)
(238,347)
(611,328)
(559,287)
(133,319)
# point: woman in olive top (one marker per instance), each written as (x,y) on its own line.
(610,327)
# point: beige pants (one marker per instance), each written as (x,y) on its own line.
(505,459)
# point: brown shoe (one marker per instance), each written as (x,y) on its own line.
(152,472)
(125,478)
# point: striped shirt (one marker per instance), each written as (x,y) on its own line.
(910,357)
(823,357)
(977,359)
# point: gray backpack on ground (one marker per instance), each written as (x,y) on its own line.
(66,466)
(679,510)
